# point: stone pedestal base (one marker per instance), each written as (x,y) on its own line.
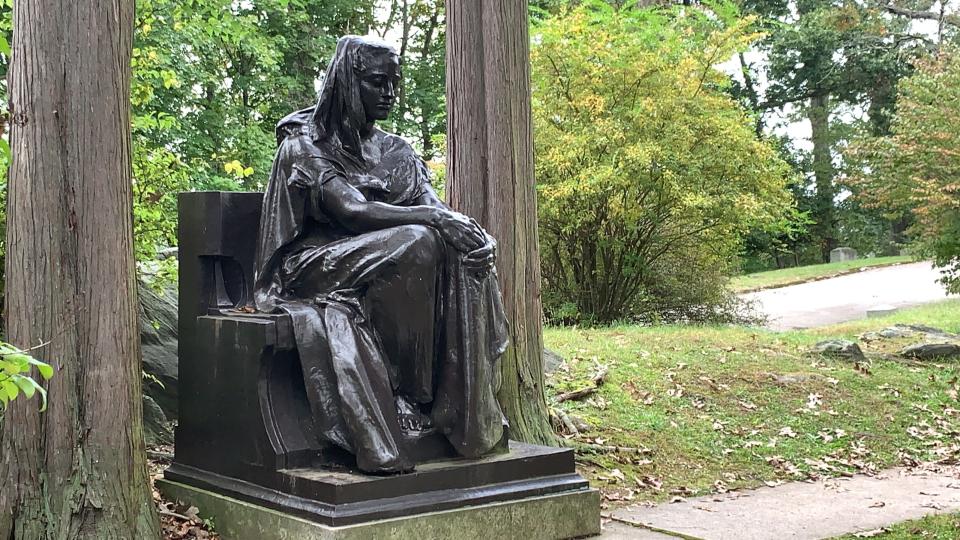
(529,492)
(566,515)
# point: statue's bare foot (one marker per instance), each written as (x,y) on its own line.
(410,417)
(392,468)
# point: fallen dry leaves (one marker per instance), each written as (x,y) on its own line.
(177,521)
(818,436)
(871,534)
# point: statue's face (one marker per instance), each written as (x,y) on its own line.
(378,84)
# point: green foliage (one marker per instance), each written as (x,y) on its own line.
(213,77)
(822,60)
(158,175)
(913,171)
(649,174)
(15,367)
(868,230)
(420,113)
(791,245)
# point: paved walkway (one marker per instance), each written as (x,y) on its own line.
(796,511)
(848,297)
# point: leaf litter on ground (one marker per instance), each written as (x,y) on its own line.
(762,416)
(177,521)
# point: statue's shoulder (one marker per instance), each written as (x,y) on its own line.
(299,150)
(392,143)
(297,139)
(295,124)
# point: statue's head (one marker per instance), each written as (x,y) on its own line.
(359,88)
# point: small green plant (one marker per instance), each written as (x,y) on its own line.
(150,378)
(15,366)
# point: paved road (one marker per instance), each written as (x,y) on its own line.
(846,298)
(797,510)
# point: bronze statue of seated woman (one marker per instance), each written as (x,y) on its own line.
(394,297)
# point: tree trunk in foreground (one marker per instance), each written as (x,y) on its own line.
(490,177)
(77,470)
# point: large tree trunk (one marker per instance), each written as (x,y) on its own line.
(490,177)
(77,470)
(824,211)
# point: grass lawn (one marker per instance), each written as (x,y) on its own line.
(688,410)
(939,527)
(788,276)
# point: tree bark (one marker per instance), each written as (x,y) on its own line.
(952,20)
(824,213)
(490,177)
(77,470)
(751,89)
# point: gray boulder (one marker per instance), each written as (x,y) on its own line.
(931,332)
(895,332)
(839,348)
(906,330)
(156,427)
(158,343)
(581,424)
(931,351)
(551,361)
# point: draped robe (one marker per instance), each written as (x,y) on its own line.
(377,314)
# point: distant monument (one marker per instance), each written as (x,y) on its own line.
(340,330)
(842,254)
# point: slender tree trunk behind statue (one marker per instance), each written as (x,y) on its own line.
(77,470)
(490,176)
(824,207)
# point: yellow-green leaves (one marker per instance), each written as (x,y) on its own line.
(648,173)
(237,169)
(15,367)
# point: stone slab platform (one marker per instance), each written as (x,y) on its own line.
(567,515)
(338,498)
(800,510)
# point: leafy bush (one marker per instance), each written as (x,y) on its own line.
(649,174)
(912,173)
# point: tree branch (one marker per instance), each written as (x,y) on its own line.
(952,20)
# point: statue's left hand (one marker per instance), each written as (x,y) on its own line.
(483,258)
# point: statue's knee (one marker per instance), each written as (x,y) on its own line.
(425,243)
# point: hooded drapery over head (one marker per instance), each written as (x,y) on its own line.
(339,114)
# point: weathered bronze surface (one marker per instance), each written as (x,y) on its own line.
(393,297)
(346,323)
(246,429)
